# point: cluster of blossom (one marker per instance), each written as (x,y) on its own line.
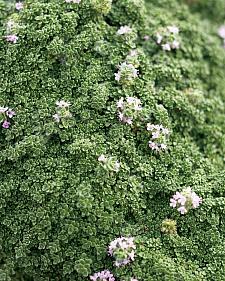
(122,250)
(221,33)
(124,30)
(11,38)
(109,163)
(103,275)
(6,114)
(158,137)
(12,25)
(126,73)
(62,111)
(19,6)
(185,200)
(167,38)
(146,37)
(129,110)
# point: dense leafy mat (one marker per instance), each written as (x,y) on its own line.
(59,208)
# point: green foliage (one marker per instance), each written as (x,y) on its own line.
(59,208)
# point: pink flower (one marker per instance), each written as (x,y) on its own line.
(175,44)
(173,203)
(6,124)
(103,275)
(102,158)
(155,135)
(165,131)
(221,31)
(185,200)
(117,76)
(56,117)
(166,47)
(153,145)
(12,38)
(163,146)
(133,53)
(127,246)
(146,37)
(10,113)
(19,6)
(173,29)
(182,200)
(124,30)
(159,38)
(182,210)
(120,103)
(62,104)
(196,200)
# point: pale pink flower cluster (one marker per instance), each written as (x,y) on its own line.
(126,73)
(11,38)
(158,137)
(168,39)
(129,109)
(109,163)
(124,30)
(122,250)
(6,114)
(19,6)
(221,33)
(146,37)
(105,275)
(185,200)
(62,111)
(73,1)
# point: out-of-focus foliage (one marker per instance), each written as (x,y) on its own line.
(59,207)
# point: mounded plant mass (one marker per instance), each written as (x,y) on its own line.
(112,140)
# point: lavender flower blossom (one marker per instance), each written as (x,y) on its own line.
(10,113)
(105,275)
(185,200)
(19,6)
(62,112)
(62,104)
(158,137)
(11,38)
(124,30)
(56,117)
(173,29)
(168,38)
(159,38)
(221,31)
(122,250)
(6,124)
(166,47)
(129,110)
